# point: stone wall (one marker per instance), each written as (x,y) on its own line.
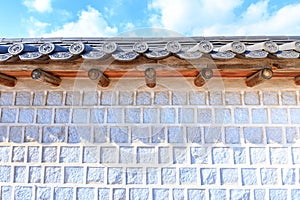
(131,142)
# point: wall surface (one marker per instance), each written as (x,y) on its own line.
(224,141)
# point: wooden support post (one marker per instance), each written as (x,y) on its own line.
(8,81)
(150,77)
(297,80)
(259,77)
(95,74)
(43,76)
(204,75)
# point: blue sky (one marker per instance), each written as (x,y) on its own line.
(96,18)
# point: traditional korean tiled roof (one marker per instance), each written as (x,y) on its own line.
(128,49)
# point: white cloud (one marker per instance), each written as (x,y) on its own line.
(90,23)
(36,27)
(218,17)
(38,5)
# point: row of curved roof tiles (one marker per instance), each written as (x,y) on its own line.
(228,51)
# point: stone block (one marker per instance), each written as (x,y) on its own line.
(152,176)
(239,155)
(33,155)
(179,98)
(44,116)
(232,135)
(146,155)
(197,98)
(16,134)
(4,154)
(279,116)
(85,193)
(221,155)
(134,175)
(160,194)
(80,116)
(178,194)
(35,174)
(268,176)
(253,135)
(193,134)
(18,154)
(241,115)
(26,116)
(212,135)
(168,175)
(90,154)
(3,133)
(187,175)
(62,115)
(296,155)
(288,176)
(78,134)
(8,115)
(215,98)
(186,115)
(278,193)
(270,98)
(90,98)
(55,98)
(115,115)
(5,173)
(291,135)
(53,175)
(164,155)
(222,116)
(140,134)
(108,155)
(100,134)
(288,98)
(32,134)
(217,194)
(150,115)
(259,116)
(195,194)
(139,193)
(103,193)
(114,175)
(74,175)
(295,194)
(161,98)
(251,98)
(108,98)
(126,155)
(43,193)
(23,99)
(208,176)
(295,115)
(97,116)
(95,175)
(23,193)
(229,176)
(119,134)
(60,193)
(199,155)
(20,174)
(232,98)
(69,154)
(49,154)
(176,135)
(204,116)
(52,134)
(158,134)
(143,98)
(249,176)
(38,98)
(257,155)
(279,155)
(274,135)
(179,155)
(119,194)
(167,115)
(6,98)
(73,98)
(133,115)
(126,98)
(239,194)
(259,194)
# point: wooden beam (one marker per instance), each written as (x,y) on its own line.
(204,75)
(8,81)
(259,77)
(95,74)
(297,80)
(150,77)
(46,77)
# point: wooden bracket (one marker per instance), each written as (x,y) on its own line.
(8,81)
(297,80)
(95,74)
(150,77)
(204,75)
(259,77)
(43,76)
